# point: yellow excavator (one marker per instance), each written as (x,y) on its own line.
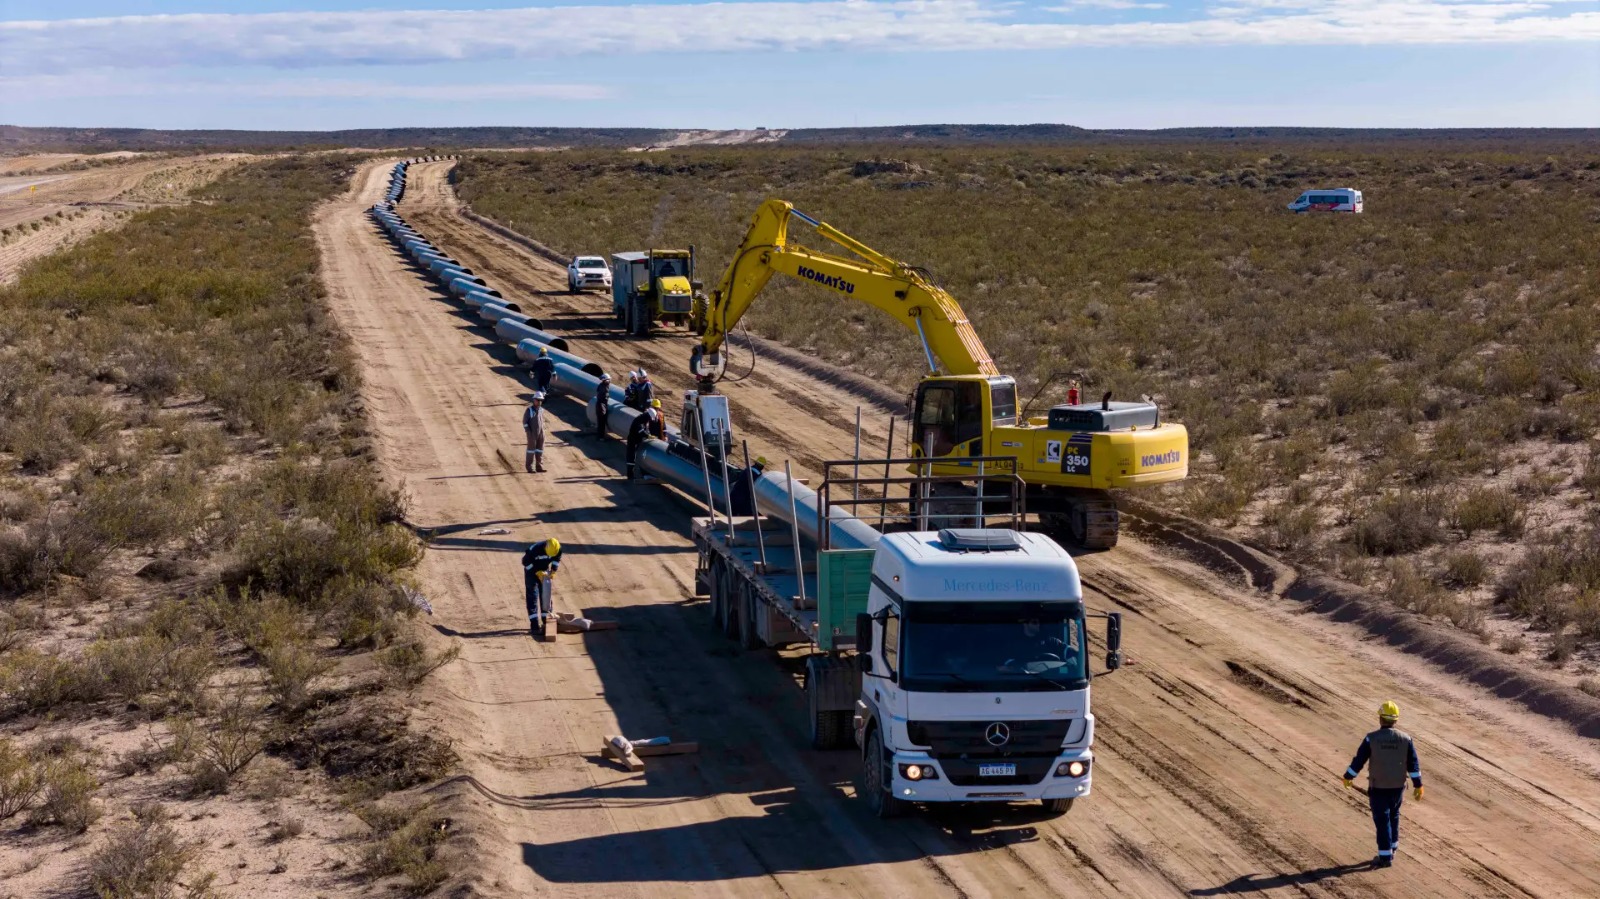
(1070,459)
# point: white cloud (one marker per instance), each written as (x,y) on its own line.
(1076,5)
(105,84)
(401,38)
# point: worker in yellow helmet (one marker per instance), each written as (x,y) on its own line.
(1394,758)
(539,564)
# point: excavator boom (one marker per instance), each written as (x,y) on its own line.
(902,291)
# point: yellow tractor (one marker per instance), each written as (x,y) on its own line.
(1070,458)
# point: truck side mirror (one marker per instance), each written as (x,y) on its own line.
(864,662)
(1113,641)
(863,633)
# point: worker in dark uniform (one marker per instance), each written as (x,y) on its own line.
(544,370)
(1394,758)
(602,404)
(539,564)
(645,393)
(649,423)
(629,392)
(533,427)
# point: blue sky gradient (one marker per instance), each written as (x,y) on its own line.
(325,64)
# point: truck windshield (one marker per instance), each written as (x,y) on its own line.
(993,646)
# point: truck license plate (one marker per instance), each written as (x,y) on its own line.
(1007,769)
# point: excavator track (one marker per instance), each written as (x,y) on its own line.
(1085,518)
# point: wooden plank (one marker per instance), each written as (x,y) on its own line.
(676,747)
(629,760)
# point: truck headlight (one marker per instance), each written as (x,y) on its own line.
(1072,769)
(919,772)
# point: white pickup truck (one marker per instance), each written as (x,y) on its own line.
(588,272)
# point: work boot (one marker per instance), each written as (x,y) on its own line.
(1383,861)
(528,466)
(539,468)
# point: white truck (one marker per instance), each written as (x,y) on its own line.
(956,660)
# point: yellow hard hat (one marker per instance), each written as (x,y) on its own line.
(655,404)
(552,546)
(1389,712)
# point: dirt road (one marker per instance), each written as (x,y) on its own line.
(1219,747)
(45,212)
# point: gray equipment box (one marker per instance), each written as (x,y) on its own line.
(1096,417)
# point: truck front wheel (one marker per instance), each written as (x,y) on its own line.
(875,782)
(1056,806)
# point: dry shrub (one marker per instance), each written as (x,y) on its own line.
(1555,584)
(141,859)
(1590,685)
(409,664)
(293,667)
(68,796)
(1488,509)
(1410,589)
(225,745)
(20,780)
(1464,569)
(1513,644)
(405,843)
(38,682)
(370,745)
(1399,523)
(1290,526)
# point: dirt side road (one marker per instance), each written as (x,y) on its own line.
(62,208)
(1218,752)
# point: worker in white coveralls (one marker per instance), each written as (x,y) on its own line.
(533,426)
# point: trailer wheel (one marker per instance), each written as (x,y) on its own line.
(829,729)
(749,636)
(874,782)
(730,605)
(714,585)
(1056,806)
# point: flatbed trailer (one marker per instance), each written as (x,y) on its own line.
(761,597)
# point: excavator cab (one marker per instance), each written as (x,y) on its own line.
(952,414)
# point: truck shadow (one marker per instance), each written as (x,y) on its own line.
(746,847)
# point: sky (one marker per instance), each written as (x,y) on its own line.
(330,64)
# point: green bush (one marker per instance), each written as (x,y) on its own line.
(1398,523)
(1488,509)
(141,859)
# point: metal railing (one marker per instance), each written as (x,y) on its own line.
(989,494)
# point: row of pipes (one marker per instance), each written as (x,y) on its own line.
(726,488)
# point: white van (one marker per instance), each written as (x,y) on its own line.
(1333,199)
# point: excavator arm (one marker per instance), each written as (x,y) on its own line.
(902,291)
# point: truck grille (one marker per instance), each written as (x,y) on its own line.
(970,738)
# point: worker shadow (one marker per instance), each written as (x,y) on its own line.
(449,631)
(1261,883)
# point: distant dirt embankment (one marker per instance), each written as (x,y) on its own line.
(17,139)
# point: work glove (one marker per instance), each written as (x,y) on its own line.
(1349,783)
(542,575)
(1417,794)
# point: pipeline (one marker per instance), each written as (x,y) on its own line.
(672,460)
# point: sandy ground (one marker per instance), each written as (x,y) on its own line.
(67,206)
(1219,748)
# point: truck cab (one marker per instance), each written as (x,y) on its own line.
(974,660)
(652,286)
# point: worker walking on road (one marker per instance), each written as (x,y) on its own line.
(533,426)
(544,371)
(1394,758)
(649,423)
(539,564)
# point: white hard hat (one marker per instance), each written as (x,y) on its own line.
(643,376)
(538,394)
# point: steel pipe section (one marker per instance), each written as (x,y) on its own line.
(460,284)
(476,298)
(515,330)
(498,309)
(845,531)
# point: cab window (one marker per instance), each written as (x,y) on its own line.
(891,643)
(969,411)
(1003,402)
(936,420)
